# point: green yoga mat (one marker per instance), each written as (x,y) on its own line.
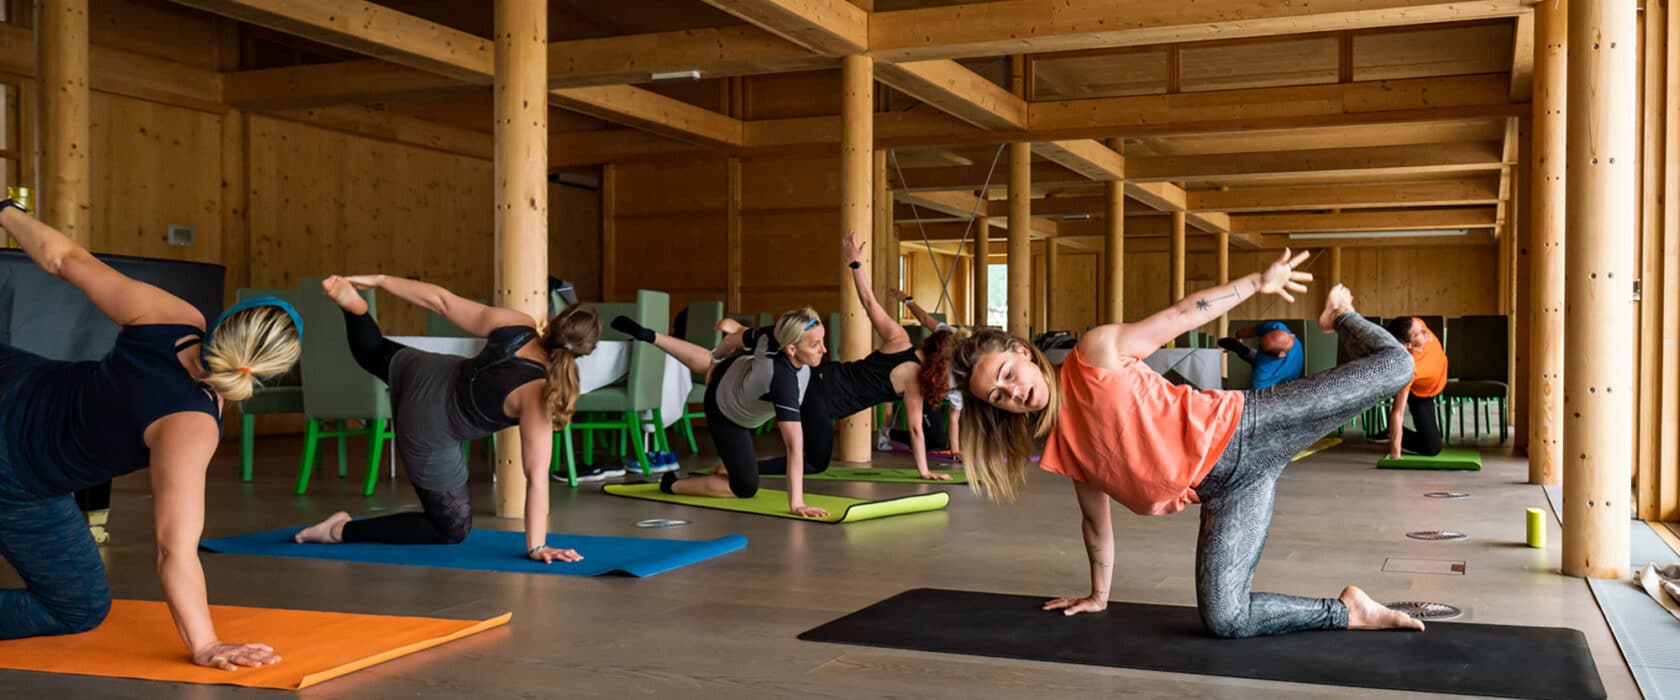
(771,502)
(1460,458)
(1321,445)
(885,475)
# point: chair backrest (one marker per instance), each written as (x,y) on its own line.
(647,363)
(703,317)
(766,318)
(1321,349)
(1451,344)
(831,336)
(294,377)
(1238,374)
(747,320)
(1483,345)
(557,302)
(337,387)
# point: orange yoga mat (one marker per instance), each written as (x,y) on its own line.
(138,640)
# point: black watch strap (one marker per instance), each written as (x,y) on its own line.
(9,202)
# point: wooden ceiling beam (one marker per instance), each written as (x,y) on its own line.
(1039,26)
(1469,191)
(952,88)
(828,27)
(1375,220)
(366,81)
(1088,157)
(652,112)
(1522,58)
(1379,161)
(719,52)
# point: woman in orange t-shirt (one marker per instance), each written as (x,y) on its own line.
(1121,431)
(1418,396)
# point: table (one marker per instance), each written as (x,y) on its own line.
(1198,366)
(609,363)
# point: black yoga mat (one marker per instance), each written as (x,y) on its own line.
(1449,657)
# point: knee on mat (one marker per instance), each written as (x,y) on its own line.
(743,487)
(82,615)
(457,532)
(1225,625)
(1430,450)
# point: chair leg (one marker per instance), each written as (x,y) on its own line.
(247,444)
(311,438)
(571,461)
(1504,421)
(633,422)
(659,430)
(688,432)
(376,448)
(342,427)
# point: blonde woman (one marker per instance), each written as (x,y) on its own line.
(1120,431)
(155,400)
(439,401)
(744,392)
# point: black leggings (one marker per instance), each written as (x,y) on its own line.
(94,497)
(1426,440)
(734,443)
(446,518)
(372,350)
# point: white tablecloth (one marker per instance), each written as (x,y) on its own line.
(1199,366)
(608,364)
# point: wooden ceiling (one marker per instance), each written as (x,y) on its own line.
(1226,109)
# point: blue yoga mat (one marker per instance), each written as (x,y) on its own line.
(494,550)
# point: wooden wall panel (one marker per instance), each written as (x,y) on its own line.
(700,187)
(158,29)
(789,95)
(574,234)
(154,165)
(1076,291)
(791,250)
(804,183)
(685,255)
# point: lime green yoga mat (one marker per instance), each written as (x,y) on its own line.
(1460,458)
(885,475)
(1317,447)
(771,502)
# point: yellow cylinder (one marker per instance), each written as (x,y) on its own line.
(1536,528)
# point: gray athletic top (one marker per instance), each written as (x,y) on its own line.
(761,386)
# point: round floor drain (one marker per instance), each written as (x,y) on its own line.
(1437,535)
(1447,494)
(1427,611)
(661,522)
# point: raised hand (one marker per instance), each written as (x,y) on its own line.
(851,248)
(1280,277)
(898,295)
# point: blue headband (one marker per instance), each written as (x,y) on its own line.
(253,302)
(812,324)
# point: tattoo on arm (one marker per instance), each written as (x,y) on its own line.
(1203,305)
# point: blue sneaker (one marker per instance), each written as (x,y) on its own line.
(661,462)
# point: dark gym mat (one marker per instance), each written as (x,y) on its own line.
(1450,657)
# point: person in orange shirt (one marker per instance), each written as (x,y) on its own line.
(1121,431)
(1428,380)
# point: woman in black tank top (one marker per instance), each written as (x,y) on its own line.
(440,401)
(154,401)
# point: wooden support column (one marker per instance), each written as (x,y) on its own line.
(1546,251)
(857,144)
(1598,430)
(1648,478)
(885,256)
(1335,267)
(1050,276)
(521,182)
(1668,458)
(982,244)
(1020,238)
(65,191)
(1222,257)
(1522,317)
(609,235)
(1176,256)
(732,235)
(1114,250)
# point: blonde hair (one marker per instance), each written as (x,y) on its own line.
(793,324)
(571,334)
(258,342)
(997,445)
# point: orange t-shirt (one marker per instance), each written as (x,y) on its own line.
(1136,436)
(1431,375)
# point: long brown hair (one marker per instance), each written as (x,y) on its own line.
(936,368)
(571,334)
(261,341)
(997,445)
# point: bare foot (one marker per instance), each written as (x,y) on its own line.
(1339,301)
(329,531)
(344,294)
(1367,614)
(730,326)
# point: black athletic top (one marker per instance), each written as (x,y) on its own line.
(487,379)
(71,425)
(844,388)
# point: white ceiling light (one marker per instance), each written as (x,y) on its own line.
(1427,233)
(675,75)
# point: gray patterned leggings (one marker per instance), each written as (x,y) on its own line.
(1237,495)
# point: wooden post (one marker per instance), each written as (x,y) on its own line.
(1548,206)
(1176,256)
(1335,267)
(732,235)
(61,53)
(1114,250)
(1020,238)
(1668,458)
(982,248)
(521,172)
(885,256)
(1222,257)
(1522,317)
(857,144)
(236,234)
(1649,479)
(1598,428)
(1050,277)
(609,236)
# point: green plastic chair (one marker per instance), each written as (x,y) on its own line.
(1477,359)
(338,390)
(619,406)
(703,317)
(282,394)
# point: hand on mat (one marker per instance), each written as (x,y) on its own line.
(549,555)
(934,476)
(852,249)
(1074,606)
(805,511)
(1394,451)
(1280,277)
(231,656)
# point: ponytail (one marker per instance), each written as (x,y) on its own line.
(571,334)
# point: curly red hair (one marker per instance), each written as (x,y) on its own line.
(936,368)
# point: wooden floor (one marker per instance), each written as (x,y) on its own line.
(726,628)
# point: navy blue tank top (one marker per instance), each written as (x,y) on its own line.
(72,425)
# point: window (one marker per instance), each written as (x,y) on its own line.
(10,157)
(997,295)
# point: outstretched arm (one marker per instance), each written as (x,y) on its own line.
(893,337)
(126,301)
(1397,422)
(470,316)
(1098,529)
(1105,344)
(922,316)
(536,446)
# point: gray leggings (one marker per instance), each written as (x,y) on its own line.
(1237,495)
